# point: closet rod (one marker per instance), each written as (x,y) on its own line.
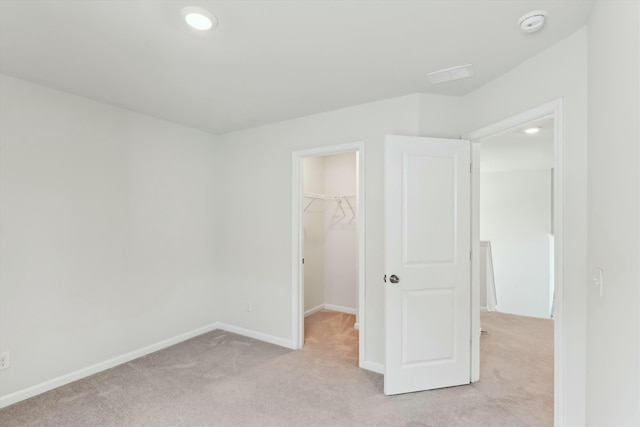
(336,197)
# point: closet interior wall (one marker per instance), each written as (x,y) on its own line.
(330,233)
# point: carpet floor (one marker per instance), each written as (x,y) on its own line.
(224,379)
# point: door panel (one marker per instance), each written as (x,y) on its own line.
(428,222)
(427,313)
(424,222)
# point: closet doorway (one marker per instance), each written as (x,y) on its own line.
(328,243)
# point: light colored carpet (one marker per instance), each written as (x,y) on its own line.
(224,379)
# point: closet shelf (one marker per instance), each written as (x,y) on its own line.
(326,196)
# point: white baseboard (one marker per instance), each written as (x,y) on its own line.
(340,308)
(45,386)
(282,342)
(332,307)
(372,366)
(313,310)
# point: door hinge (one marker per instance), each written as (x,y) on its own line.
(303,260)
(385,278)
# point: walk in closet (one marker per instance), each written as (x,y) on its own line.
(330,233)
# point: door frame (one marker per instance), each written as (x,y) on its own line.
(551,109)
(297,240)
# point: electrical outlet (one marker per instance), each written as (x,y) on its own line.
(4,360)
(249,306)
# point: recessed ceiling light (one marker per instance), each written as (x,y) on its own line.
(450,74)
(532,130)
(199,19)
(199,22)
(532,21)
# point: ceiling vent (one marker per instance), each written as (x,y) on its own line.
(451,74)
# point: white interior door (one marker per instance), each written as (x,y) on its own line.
(428,247)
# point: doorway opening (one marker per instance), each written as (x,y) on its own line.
(516,221)
(330,249)
(517,240)
(328,246)
(516,259)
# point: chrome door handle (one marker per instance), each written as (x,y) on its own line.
(394,278)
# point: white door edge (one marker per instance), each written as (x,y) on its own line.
(297,278)
(551,109)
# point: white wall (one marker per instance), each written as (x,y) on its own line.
(314,232)
(257,217)
(558,72)
(440,116)
(613,333)
(108,232)
(341,241)
(515,209)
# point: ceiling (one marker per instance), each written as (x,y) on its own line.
(514,150)
(268,60)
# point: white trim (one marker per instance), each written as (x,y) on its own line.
(536,113)
(361,230)
(331,307)
(297,253)
(45,386)
(476,328)
(551,109)
(560,361)
(313,310)
(297,300)
(250,333)
(340,309)
(356,325)
(372,366)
